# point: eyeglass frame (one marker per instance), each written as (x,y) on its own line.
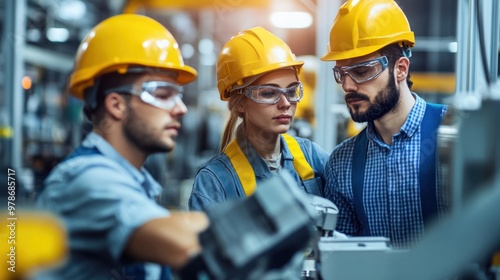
(147,97)
(247,91)
(344,70)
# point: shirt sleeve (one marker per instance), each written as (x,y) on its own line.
(101,207)
(207,190)
(341,196)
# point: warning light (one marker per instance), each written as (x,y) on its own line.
(26,82)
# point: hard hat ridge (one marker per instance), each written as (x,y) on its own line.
(249,53)
(363,27)
(124,41)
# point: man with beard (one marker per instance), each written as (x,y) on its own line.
(130,72)
(384,180)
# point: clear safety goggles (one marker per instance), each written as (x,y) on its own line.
(265,94)
(361,72)
(163,95)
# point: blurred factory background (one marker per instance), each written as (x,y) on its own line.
(40,123)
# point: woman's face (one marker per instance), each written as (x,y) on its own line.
(271,119)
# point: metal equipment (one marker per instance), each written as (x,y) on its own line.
(250,237)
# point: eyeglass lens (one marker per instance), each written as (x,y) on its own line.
(271,94)
(161,94)
(361,72)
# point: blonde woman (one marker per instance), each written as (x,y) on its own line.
(257,74)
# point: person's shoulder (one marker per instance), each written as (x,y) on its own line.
(444,108)
(84,168)
(217,163)
(305,142)
(217,174)
(346,146)
(341,155)
(75,174)
(83,162)
(311,146)
(301,139)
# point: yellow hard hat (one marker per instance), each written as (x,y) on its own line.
(251,52)
(363,27)
(122,41)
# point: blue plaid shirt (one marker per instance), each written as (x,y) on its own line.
(391,194)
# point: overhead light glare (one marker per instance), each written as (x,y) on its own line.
(453,47)
(55,34)
(206,46)
(187,51)
(72,10)
(291,19)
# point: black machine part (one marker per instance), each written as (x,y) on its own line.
(249,237)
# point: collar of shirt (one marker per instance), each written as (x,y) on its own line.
(143,177)
(259,165)
(410,127)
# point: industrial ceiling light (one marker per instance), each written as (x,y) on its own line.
(57,34)
(291,19)
(453,47)
(187,50)
(72,10)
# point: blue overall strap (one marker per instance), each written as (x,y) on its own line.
(357,179)
(428,158)
(165,273)
(137,271)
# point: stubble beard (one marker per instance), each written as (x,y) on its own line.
(385,101)
(144,137)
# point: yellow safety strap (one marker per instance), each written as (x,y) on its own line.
(245,171)
(299,160)
(242,167)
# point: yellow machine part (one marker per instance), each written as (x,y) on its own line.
(496,259)
(305,108)
(6,132)
(31,241)
(443,83)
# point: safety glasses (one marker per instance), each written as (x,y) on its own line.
(163,95)
(361,72)
(265,94)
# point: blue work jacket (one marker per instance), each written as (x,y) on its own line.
(218,181)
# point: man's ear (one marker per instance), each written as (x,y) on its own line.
(116,105)
(402,67)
